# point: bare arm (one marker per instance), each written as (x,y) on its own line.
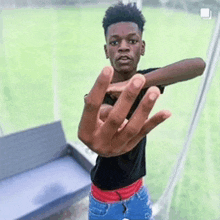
(176,72)
(173,73)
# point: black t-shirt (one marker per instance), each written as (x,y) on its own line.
(116,172)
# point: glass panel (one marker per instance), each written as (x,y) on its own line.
(51,56)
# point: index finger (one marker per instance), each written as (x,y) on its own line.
(94,100)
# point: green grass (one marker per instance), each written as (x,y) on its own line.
(38,42)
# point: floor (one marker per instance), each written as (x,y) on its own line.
(78,211)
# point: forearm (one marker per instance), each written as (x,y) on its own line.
(179,71)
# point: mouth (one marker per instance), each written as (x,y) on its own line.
(124,58)
(127,61)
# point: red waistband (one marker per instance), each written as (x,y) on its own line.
(116,195)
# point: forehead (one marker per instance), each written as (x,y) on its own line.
(122,29)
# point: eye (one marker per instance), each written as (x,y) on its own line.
(114,43)
(133,41)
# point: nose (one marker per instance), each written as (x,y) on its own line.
(124,47)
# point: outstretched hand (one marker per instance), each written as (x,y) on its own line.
(105,130)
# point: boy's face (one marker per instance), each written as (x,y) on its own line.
(124,46)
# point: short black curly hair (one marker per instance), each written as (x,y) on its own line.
(120,13)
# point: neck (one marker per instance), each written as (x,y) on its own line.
(122,76)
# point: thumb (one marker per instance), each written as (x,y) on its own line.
(110,88)
(104,111)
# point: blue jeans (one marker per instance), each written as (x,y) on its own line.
(137,207)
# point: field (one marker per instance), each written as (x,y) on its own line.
(38,44)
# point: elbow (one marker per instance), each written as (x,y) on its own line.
(200,63)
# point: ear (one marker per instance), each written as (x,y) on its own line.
(143,48)
(106,52)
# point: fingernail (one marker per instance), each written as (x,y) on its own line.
(137,83)
(166,115)
(107,71)
(153,96)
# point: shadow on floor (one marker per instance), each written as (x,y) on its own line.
(78,211)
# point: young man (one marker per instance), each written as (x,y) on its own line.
(117,129)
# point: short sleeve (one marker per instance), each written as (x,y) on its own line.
(161,88)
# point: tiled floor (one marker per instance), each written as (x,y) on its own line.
(78,211)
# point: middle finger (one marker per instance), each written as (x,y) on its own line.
(140,115)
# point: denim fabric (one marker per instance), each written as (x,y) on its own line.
(137,207)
